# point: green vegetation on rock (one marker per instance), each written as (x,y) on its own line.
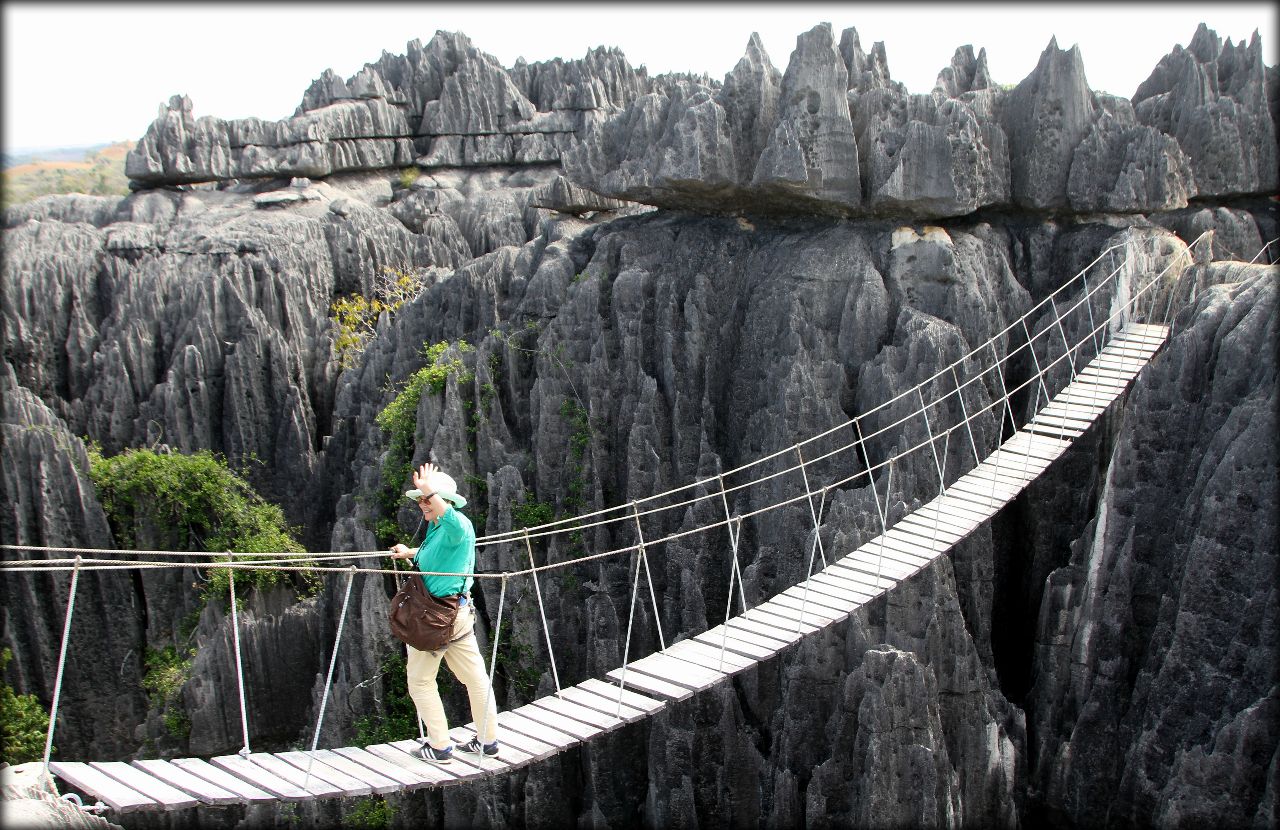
(357,315)
(24,724)
(194,502)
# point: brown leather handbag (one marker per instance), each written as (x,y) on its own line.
(420,619)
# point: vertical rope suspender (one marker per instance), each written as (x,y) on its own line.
(542,611)
(62,662)
(235,635)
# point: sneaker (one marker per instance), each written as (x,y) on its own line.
(435,756)
(474,747)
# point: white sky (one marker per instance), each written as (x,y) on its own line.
(78,74)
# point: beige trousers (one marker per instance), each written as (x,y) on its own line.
(463,656)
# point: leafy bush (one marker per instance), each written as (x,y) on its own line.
(530,513)
(197,503)
(23,722)
(165,674)
(400,417)
(373,812)
(357,315)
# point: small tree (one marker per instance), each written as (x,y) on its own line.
(357,315)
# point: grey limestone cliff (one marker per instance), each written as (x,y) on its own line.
(808,243)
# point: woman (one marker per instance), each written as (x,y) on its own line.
(450,548)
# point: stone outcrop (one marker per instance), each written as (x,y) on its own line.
(1046,117)
(1213,98)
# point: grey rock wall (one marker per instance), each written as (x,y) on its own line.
(197,316)
(1155,696)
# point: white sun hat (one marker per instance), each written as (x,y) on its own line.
(443,486)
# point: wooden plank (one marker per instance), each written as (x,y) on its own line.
(380,766)
(1104,377)
(163,793)
(203,769)
(721,637)
(869,565)
(786,605)
(1056,425)
(747,643)
(753,627)
(334,763)
(650,685)
(928,517)
(115,795)
(677,671)
(961,511)
(309,769)
(515,721)
(428,773)
(868,582)
(1069,414)
(925,545)
(860,590)
(564,707)
(937,527)
(629,698)
(260,777)
(816,601)
(880,549)
(784,625)
(909,549)
(510,754)
(1008,476)
(201,789)
(465,765)
(831,594)
(1003,493)
(978,501)
(532,748)
(847,597)
(703,655)
(600,703)
(317,786)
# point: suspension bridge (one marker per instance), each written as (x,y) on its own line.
(1080,348)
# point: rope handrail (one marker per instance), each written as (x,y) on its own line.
(996,402)
(280,559)
(770,456)
(557,526)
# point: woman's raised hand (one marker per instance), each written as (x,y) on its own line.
(421,477)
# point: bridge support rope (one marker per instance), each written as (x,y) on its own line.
(235,635)
(333,661)
(546,630)
(62,662)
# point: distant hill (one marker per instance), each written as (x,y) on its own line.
(79,152)
(97,170)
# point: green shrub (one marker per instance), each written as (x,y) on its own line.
(24,724)
(196,503)
(530,513)
(163,678)
(397,719)
(400,417)
(357,316)
(373,812)
(514,662)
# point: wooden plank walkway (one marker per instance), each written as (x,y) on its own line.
(646,685)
